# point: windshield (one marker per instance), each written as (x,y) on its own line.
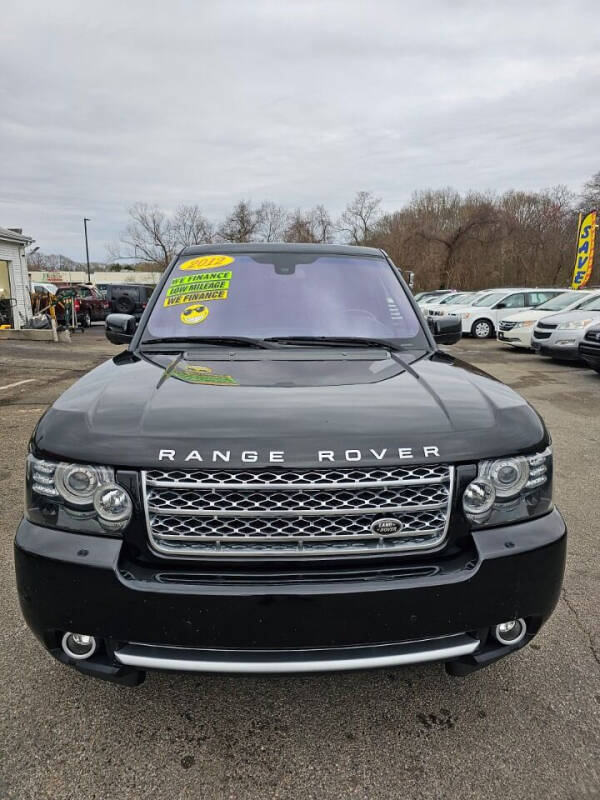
(477,296)
(453,299)
(489,299)
(592,305)
(263,295)
(559,302)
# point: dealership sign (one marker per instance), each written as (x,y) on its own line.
(584,258)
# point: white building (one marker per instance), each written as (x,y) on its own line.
(15,302)
(98,278)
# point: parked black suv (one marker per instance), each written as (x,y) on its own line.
(128,298)
(283,473)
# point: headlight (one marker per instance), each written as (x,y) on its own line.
(76,497)
(575,324)
(507,475)
(526,323)
(76,483)
(510,489)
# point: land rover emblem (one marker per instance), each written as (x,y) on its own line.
(387,526)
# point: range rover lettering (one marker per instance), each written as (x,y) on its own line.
(282,472)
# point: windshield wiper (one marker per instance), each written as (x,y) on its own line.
(223,341)
(335,341)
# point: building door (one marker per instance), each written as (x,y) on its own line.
(6,302)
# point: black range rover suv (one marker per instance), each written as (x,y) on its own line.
(283,473)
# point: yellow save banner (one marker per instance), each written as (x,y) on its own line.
(584,258)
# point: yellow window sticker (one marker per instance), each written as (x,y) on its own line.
(204,286)
(195,297)
(207,262)
(202,277)
(192,315)
(193,288)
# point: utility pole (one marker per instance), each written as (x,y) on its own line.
(87,250)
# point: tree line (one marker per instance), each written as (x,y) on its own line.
(466,240)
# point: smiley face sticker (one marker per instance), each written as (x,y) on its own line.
(194,314)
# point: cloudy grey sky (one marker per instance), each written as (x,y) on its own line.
(107,103)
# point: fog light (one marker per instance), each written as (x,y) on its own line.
(510,632)
(78,645)
(478,498)
(113,505)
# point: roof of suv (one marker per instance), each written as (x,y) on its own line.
(283,247)
(129,286)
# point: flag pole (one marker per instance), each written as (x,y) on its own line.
(577,245)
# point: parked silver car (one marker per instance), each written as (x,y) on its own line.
(558,335)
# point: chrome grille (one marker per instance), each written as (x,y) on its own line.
(420,473)
(506,326)
(246,512)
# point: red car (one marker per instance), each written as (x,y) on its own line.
(90,305)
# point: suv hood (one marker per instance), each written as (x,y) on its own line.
(571,316)
(264,409)
(531,313)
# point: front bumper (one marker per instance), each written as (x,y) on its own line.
(562,352)
(171,617)
(517,337)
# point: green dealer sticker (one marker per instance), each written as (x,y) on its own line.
(199,287)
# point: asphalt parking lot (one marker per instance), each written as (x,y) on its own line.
(528,726)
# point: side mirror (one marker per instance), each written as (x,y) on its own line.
(446,330)
(501,304)
(120,328)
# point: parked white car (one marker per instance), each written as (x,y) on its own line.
(559,335)
(482,317)
(44,288)
(433,297)
(437,307)
(516,330)
(468,302)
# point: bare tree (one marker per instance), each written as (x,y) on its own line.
(273,221)
(37,262)
(154,237)
(322,224)
(539,234)
(448,220)
(590,197)
(242,224)
(190,226)
(358,221)
(150,236)
(468,241)
(50,262)
(314,225)
(299,227)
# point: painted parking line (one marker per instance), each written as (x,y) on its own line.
(18,383)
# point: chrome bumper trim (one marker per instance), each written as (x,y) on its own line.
(290,661)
